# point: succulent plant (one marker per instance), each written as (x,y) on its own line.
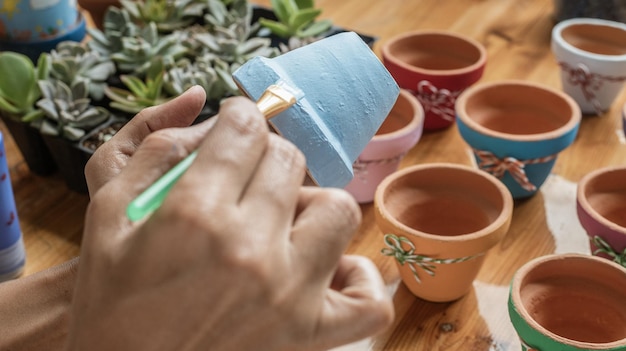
(72,62)
(18,86)
(296,18)
(295,42)
(117,24)
(226,13)
(137,52)
(187,74)
(140,93)
(169,15)
(68,112)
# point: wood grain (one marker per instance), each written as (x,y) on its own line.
(516,34)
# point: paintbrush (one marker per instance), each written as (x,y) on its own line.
(276,99)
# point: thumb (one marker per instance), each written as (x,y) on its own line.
(357,305)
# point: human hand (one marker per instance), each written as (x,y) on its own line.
(111,157)
(239,256)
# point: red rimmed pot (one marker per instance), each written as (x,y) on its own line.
(399,133)
(569,302)
(601,208)
(436,66)
(438,222)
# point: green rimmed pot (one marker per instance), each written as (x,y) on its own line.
(569,302)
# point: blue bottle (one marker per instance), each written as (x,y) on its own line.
(12,253)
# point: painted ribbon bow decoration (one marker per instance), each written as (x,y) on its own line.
(498,166)
(589,82)
(604,247)
(360,166)
(438,101)
(394,249)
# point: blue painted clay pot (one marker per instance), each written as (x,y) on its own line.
(34,48)
(36,20)
(516,130)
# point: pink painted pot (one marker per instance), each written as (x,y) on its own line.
(436,66)
(400,131)
(601,208)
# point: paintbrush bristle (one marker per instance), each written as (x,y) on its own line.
(277,98)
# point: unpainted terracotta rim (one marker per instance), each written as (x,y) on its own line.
(503,217)
(461,102)
(482,58)
(418,118)
(523,271)
(581,196)
(558,37)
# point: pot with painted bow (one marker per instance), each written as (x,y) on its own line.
(438,222)
(601,209)
(592,55)
(436,66)
(516,130)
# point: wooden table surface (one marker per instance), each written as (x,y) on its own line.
(516,34)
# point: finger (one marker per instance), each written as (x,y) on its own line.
(113,155)
(159,152)
(325,222)
(230,154)
(274,189)
(357,307)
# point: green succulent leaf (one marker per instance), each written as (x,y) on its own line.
(8,107)
(135,85)
(276,27)
(33,115)
(315,29)
(18,85)
(303,17)
(305,4)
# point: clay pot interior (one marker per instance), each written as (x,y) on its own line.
(517,109)
(576,297)
(444,201)
(401,116)
(604,196)
(596,38)
(434,51)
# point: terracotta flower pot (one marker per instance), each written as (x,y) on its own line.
(400,131)
(569,302)
(516,130)
(439,220)
(12,253)
(601,208)
(592,56)
(436,66)
(97,9)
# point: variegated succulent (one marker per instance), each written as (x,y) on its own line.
(169,15)
(72,62)
(67,110)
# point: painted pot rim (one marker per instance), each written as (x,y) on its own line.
(416,121)
(520,309)
(388,52)
(79,25)
(501,220)
(582,195)
(557,37)
(572,123)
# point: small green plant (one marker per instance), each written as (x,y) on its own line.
(68,111)
(18,85)
(187,74)
(140,93)
(169,15)
(296,18)
(72,62)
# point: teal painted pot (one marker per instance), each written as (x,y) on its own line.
(516,130)
(36,20)
(33,49)
(569,302)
